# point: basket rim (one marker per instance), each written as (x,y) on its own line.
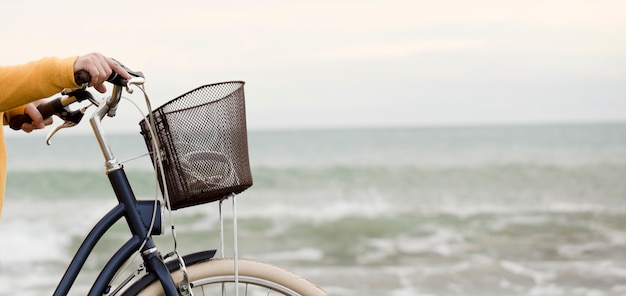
(241,82)
(157,109)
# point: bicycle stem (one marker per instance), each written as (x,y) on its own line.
(109,107)
(106,108)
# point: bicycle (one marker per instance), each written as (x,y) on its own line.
(190,170)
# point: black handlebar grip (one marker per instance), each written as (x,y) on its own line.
(48,109)
(81,77)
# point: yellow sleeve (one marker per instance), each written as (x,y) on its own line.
(10,113)
(22,84)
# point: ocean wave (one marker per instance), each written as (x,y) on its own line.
(491,183)
(71,184)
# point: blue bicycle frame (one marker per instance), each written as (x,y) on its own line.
(139,216)
(136,213)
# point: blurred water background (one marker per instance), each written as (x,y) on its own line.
(483,210)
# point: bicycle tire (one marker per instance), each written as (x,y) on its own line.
(251,272)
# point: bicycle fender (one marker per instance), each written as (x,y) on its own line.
(172,266)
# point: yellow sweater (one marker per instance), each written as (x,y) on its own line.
(21,84)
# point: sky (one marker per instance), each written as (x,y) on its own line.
(345,64)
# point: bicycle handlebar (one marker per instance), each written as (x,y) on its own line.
(57,106)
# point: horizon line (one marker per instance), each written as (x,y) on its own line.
(83,132)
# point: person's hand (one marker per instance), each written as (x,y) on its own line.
(38,121)
(100,68)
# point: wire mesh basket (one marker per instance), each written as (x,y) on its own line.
(203,142)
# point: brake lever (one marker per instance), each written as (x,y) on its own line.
(66,124)
(72,118)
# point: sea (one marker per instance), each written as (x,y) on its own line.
(451,210)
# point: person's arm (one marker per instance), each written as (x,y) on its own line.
(22,84)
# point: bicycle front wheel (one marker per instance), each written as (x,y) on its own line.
(217,277)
